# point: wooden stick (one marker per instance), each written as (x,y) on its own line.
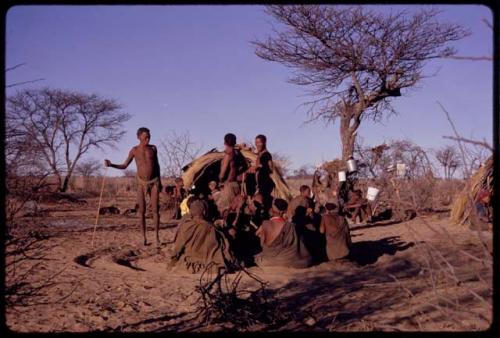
(99,206)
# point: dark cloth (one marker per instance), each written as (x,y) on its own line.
(297,210)
(281,246)
(265,183)
(198,243)
(338,237)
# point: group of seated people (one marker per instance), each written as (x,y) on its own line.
(231,227)
(243,233)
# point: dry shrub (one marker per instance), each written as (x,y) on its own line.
(222,300)
(458,280)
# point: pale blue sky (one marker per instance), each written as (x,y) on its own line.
(193,68)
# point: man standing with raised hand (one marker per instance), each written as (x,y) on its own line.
(148,178)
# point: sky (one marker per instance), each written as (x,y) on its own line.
(193,68)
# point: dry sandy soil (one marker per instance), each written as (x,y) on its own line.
(425,274)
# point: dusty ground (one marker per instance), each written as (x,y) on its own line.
(405,276)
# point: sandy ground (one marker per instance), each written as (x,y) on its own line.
(119,285)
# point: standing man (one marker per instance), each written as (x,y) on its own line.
(263,169)
(148,178)
(232,167)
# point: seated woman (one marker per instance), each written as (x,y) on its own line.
(198,243)
(336,230)
(281,244)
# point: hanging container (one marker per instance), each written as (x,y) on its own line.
(342,176)
(351,165)
(372,193)
(401,169)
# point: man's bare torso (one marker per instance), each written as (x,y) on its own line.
(146,160)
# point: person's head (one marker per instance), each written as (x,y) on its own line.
(191,200)
(279,207)
(330,207)
(179,181)
(260,142)
(143,135)
(212,185)
(198,208)
(305,190)
(229,140)
(169,190)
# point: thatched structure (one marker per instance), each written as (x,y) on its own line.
(206,168)
(482,179)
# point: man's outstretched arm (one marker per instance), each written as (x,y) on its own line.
(129,159)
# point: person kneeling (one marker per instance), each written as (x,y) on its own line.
(198,243)
(281,244)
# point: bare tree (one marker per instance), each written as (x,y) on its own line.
(89,168)
(283,161)
(129,173)
(62,125)
(449,159)
(304,171)
(354,59)
(177,150)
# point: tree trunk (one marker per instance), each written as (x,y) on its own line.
(348,137)
(65,184)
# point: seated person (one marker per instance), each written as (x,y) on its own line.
(482,205)
(255,209)
(197,243)
(336,230)
(281,244)
(213,211)
(358,206)
(214,191)
(301,208)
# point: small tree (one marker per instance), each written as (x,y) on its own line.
(130,173)
(62,125)
(283,163)
(177,150)
(449,159)
(355,60)
(89,168)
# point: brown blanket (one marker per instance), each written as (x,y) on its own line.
(282,249)
(198,243)
(338,237)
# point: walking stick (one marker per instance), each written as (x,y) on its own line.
(99,206)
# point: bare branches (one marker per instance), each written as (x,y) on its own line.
(60,126)
(15,84)
(177,151)
(449,159)
(470,158)
(222,299)
(471,58)
(355,60)
(483,143)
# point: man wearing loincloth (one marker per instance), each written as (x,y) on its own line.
(232,167)
(148,178)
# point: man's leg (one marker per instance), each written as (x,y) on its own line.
(155,206)
(141,201)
